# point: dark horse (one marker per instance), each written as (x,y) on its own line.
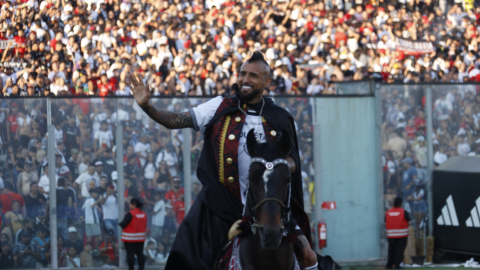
(268,236)
(267,208)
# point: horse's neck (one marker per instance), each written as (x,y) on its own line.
(252,256)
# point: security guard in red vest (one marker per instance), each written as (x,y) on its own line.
(134,226)
(396,222)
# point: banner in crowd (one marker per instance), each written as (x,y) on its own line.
(4,43)
(13,64)
(413,47)
(310,67)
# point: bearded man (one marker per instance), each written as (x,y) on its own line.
(224,163)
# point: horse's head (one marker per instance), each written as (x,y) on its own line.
(268,199)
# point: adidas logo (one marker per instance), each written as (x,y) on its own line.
(449,215)
(473,220)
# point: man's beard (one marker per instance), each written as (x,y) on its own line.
(250,96)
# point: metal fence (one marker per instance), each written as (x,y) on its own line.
(109,145)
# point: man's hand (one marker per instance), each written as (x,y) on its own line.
(139,89)
(165,118)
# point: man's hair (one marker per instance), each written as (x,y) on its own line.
(258,57)
(397,202)
(8,186)
(61,182)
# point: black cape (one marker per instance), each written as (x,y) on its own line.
(204,231)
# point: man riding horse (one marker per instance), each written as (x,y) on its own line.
(224,163)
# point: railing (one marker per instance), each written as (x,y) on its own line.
(110,145)
(142,157)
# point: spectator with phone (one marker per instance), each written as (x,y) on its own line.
(25,253)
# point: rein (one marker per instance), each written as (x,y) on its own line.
(286,209)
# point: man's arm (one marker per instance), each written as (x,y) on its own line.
(165,118)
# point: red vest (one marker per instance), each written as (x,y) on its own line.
(135,230)
(397,225)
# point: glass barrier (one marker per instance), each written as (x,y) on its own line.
(87,201)
(404,149)
(301,109)
(87,209)
(24,208)
(456,121)
(353,88)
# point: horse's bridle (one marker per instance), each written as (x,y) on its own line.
(286,209)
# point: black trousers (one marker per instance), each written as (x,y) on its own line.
(396,247)
(133,249)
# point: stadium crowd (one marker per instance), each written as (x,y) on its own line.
(455,115)
(196,47)
(86,176)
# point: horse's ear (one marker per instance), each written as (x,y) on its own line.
(251,142)
(284,143)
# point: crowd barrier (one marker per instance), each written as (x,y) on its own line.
(103,142)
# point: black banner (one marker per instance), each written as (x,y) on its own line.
(456,211)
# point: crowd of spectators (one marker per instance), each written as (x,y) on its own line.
(86,173)
(196,47)
(455,115)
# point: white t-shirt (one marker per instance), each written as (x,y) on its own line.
(12,76)
(76,260)
(170,158)
(58,135)
(143,149)
(159,218)
(84,181)
(104,137)
(97,120)
(91,213)
(202,115)
(44,183)
(149,171)
(463,149)
(82,168)
(110,207)
(314,89)
(440,157)
(62,171)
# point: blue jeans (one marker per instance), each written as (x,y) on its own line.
(111,224)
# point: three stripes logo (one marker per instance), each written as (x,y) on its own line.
(473,220)
(449,215)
